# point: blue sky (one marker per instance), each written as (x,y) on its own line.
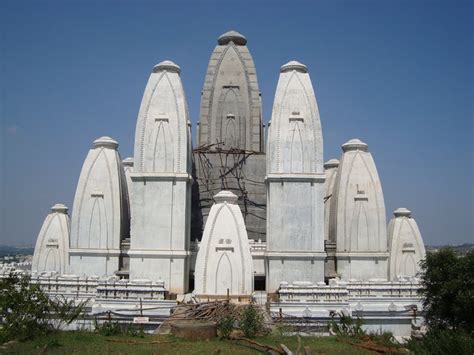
(398,75)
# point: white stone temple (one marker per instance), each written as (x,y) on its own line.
(235,214)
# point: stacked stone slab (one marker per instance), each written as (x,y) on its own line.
(161,180)
(406,246)
(230,101)
(52,244)
(330,168)
(357,219)
(224,264)
(100,219)
(295,182)
(229,153)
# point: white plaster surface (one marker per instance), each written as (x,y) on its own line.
(161,136)
(357,220)
(100,217)
(50,253)
(160,223)
(406,245)
(224,261)
(295,140)
(295,182)
(384,306)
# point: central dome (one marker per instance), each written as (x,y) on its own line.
(232,36)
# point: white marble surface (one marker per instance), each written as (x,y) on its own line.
(406,245)
(357,219)
(161,183)
(295,182)
(161,134)
(52,244)
(224,261)
(100,217)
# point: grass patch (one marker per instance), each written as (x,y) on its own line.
(92,343)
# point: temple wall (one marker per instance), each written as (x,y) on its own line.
(295,182)
(161,183)
(244,176)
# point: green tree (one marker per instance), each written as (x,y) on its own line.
(448,289)
(27,312)
(251,322)
(24,308)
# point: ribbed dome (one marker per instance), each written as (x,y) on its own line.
(294,65)
(167,65)
(59,208)
(332,163)
(233,36)
(355,144)
(402,212)
(225,196)
(105,142)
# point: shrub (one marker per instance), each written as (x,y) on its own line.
(442,341)
(27,312)
(24,309)
(385,338)
(252,321)
(225,326)
(282,329)
(133,330)
(447,286)
(347,326)
(107,328)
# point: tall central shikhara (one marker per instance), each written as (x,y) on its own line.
(230,147)
(231,112)
(273,212)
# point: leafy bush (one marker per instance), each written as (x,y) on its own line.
(24,309)
(447,286)
(107,328)
(133,330)
(27,312)
(385,339)
(225,326)
(282,329)
(251,322)
(447,280)
(439,341)
(347,326)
